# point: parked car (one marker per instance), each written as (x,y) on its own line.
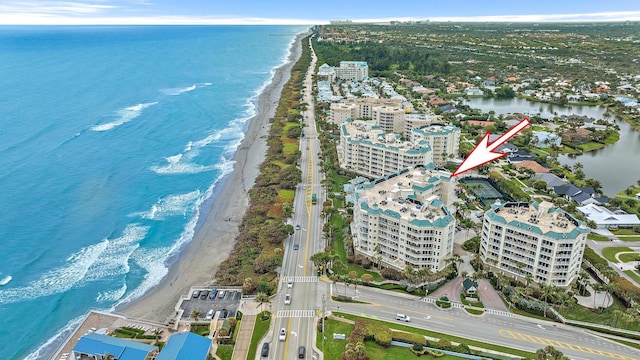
(209,315)
(196,293)
(204,294)
(223,313)
(403,317)
(221,294)
(283,334)
(213,293)
(265,350)
(287,299)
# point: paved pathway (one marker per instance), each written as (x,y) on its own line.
(243,341)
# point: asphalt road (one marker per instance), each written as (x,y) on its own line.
(515,332)
(299,317)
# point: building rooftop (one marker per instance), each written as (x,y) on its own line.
(368,132)
(122,349)
(185,346)
(409,194)
(540,218)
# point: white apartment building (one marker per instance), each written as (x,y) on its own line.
(363,108)
(412,121)
(352,70)
(404,219)
(521,239)
(389,118)
(341,112)
(443,139)
(364,148)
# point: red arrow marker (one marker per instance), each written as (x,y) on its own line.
(483,152)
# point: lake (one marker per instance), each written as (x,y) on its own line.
(616,166)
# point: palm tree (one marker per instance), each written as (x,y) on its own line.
(157,332)
(564,300)
(547,293)
(262,298)
(616,316)
(195,314)
(528,279)
(597,288)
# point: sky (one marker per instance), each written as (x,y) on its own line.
(305,12)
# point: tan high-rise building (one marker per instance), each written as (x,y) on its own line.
(443,139)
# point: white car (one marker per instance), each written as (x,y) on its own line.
(283,334)
(403,317)
(287,299)
(209,315)
(289,284)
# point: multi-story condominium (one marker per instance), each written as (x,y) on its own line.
(404,219)
(521,239)
(443,139)
(352,70)
(364,106)
(389,118)
(366,149)
(412,121)
(341,112)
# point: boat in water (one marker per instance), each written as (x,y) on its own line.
(6,280)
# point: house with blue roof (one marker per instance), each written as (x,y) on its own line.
(95,346)
(185,346)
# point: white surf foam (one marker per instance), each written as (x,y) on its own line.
(93,262)
(6,280)
(172,205)
(124,116)
(178,91)
(113,295)
(46,350)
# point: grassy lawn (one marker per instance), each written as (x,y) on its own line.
(629,257)
(337,247)
(624,232)
(610,253)
(438,335)
(289,146)
(634,275)
(333,348)
(286,195)
(375,351)
(289,125)
(259,330)
(225,352)
(597,237)
(629,238)
(581,313)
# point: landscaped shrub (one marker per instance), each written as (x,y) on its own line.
(391,274)
(383,337)
(444,344)
(409,338)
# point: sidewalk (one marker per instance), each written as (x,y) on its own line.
(243,341)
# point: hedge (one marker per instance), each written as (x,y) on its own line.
(409,338)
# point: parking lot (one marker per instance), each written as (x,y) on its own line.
(226,300)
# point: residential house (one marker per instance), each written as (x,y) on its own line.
(474,91)
(532,165)
(579,135)
(582,196)
(185,346)
(519,156)
(552,180)
(504,148)
(606,218)
(546,139)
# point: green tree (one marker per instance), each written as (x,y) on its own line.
(195,314)
(262,298)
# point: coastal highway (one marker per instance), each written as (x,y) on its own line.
(299,317)
(521,333)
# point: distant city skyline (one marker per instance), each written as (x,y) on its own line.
(49,12)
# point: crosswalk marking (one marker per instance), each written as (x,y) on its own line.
(301,278)
(296,313)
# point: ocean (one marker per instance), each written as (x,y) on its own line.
(111,139)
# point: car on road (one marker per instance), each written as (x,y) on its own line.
(297,227)
(403,317)
(287,299)
(301,351)
(296,246)
(289,284)
(265,350)
(283,334)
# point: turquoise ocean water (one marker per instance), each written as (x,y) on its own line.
(111,139)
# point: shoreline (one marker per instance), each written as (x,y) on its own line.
(198,261)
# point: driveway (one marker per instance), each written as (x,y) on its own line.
(489,296)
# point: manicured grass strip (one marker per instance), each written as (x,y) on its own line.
(610,253)
(375,351)
(225,352)
(624,232)
(597,237)
(438,335)
(333,348)
(629,238)
(629,257)
(259,330)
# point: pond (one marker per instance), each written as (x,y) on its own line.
(616,166)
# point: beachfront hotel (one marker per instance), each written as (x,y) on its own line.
(404,219)
(443,139)
(366,149)
(521,239)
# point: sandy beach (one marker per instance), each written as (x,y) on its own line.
(199,260)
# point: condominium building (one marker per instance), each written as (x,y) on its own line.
(443,139)
(341,112)
(412,121)
(389,118)
(366,149)
(352,70)
(363,108)
(521,239)
(404,219)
